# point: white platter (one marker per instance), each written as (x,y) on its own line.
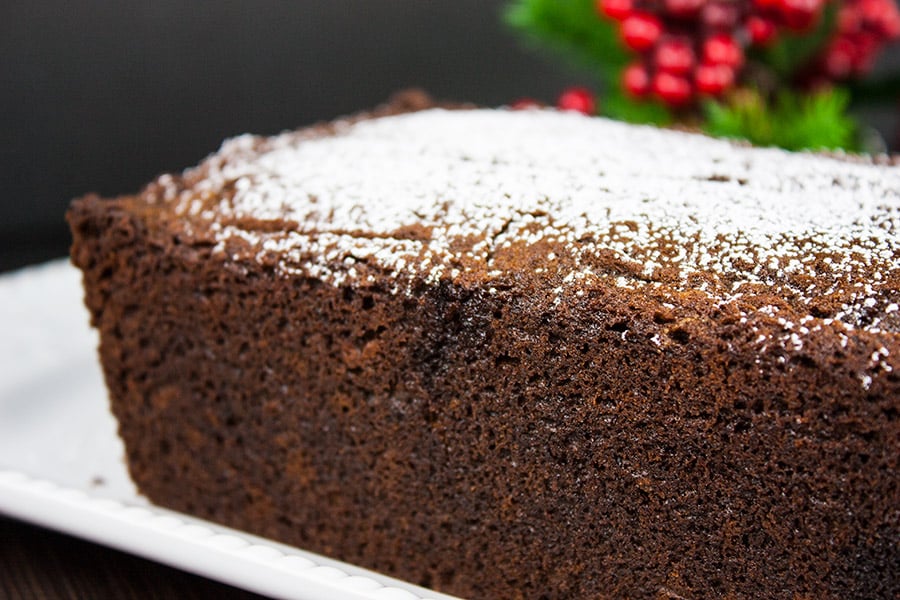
(61,462)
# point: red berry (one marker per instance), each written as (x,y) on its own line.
(636,79)
(721,15)
(615,9)
(762,31)
(713,79)
(866,49)
(525,104)
(849,20)
(890,24)
(578,99)
(683,8)
(672,89)
(641,30)
(838,60)
(869,11)
(880,15)
(765,5)
(800,14)
(721,49)
(674,56)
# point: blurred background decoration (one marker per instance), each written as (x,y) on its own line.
(774,72)
(100,96)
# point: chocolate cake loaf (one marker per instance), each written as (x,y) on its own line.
(517,354)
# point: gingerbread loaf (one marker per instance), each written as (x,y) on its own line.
(517,354)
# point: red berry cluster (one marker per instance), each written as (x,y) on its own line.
(689,48)
(864,27)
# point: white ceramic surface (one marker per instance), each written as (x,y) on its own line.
(61,462)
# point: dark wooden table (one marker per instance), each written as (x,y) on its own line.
(39,563)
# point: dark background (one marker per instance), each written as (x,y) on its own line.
(103,96)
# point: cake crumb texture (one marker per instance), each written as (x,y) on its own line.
(517,354)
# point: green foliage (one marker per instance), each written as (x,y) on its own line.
(573,29)
(793,121)
(793,51)
(624,108)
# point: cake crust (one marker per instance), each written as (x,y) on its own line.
(535,376)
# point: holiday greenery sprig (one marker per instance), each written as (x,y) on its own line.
(775,72)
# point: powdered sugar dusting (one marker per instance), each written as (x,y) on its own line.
(445,194)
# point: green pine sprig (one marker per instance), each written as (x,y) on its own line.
(571,28)
(620,106)
(794,121)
